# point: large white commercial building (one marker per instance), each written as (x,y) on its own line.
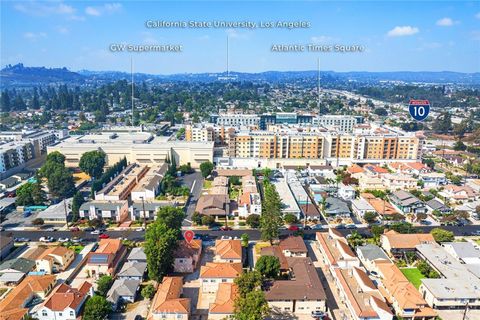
(140,147)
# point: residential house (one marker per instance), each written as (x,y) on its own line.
(458,193)
(335,207)
(17,265)
(105,209)
(384,208)
(436,205)
(64,302)
(458,284)
(397,244)
(310,211)
(276,252)
(187,255)
(137,255)
(399,182)
(404,297)
(213,205)
(123,291)
(407,203)
(409,168)
(369,254)
(132,271)
(230,251)
(55,259)
(249,203)
(168,303)
(433,179)
(14,305)
(224,305)
(6,246)
(464,252)
(346,192)
(140,210)
(361,206)
(106,259)
(293,246)
(214,273)
(361,296)
(335,250)
(301,294)
(366,182)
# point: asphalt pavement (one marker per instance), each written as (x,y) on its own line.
(254,234)
(195,182)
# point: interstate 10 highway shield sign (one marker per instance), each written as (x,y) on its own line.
(419,109)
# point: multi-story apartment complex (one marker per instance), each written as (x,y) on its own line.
(296,144)
(14,154)
(219,134)
(38,138)
(342,123)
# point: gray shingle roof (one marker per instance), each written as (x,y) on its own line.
(133,269)
(372,252)
(18,264)
(137,254)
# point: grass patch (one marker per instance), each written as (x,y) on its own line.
(413,275)
(207,184)
(77,248)
(2,291)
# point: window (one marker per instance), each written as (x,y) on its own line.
(44,313)
(60,314)
(72,314)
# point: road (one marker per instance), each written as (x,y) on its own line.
(253,233)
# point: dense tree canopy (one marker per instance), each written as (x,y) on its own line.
(92,162)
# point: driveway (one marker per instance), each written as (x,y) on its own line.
(195,182)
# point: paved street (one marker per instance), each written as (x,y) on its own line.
(253,233)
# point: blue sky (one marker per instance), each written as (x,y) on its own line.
(396,35)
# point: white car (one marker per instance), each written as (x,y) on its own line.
(46,239)
(95,232)
(63,239)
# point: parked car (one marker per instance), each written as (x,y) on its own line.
(63,239)
(293,228)
(89,229)
(46,239)
(317,227)
(104,236)
(215,228)
(317,314)
(95,232)
(351,226)
(224,228)
(307,228)
(22,240)
(77,240)
(140,229)
(340,226)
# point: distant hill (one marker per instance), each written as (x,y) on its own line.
(23,76)
(19,75)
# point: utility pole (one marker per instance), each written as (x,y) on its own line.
(144,214)
(66,212)
(465,312)
(131,71)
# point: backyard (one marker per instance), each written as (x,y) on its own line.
(413,275)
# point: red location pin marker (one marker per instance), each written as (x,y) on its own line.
(188,235)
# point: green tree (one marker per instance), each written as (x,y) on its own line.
(290,218)
(459,146)
(31,193)
(377,231)
(206,168)
(270,220)
(161,241)
(250,303)
(253,220)
(38,222)
(60,183)
(370,217)
(402,227)
(97,308)
(442,235)
(268,266)
(77,201)
(443,123)
(92,162)
(245,238)
(103,285)
(197,218)
(381,112)
(207,220)
(148,291)
(355,239)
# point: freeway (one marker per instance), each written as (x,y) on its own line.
(253,233)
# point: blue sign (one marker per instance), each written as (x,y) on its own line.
(419,109)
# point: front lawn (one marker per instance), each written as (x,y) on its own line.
(413,275)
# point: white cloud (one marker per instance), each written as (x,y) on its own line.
(400,31)
(62,30)
(43,9)
(32,36)
(91,11)
(107,8)
(445,22)
(321,39)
